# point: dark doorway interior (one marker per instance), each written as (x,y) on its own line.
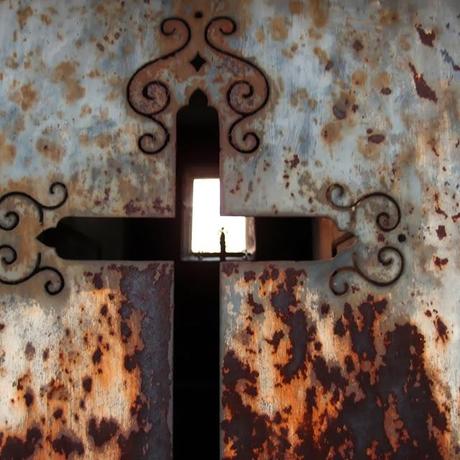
(196,317)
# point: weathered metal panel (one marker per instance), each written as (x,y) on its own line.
(64,113)
(87,373)
(364,94)
(309,375)
(353,357)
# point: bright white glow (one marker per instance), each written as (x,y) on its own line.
(207,221)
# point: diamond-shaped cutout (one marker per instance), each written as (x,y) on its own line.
(198,61)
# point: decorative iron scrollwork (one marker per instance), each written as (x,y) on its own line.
(387,256)
(9,220)
(243,95)
(150,96)
(383,219)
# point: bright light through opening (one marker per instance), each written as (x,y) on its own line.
(207,221)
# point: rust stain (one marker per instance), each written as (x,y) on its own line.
(438,208)
(359,77)
(441,328)
(324,58)
(65,74)
(426,37)
(49,149)
(344,106)
(378,374)
(46,19)
(260,35)
(7,151)
(296,7)
(423,90)
(331,133)
(95,406)
(357,45)
(319,12)
(388,17)
(440,262)
(376,138)
(441,232)
(278,28)
(26,97)
(23,16)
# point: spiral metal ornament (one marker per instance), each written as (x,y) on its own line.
(10,219)
(149,96)
(336,192)
(243,96)
(387,256)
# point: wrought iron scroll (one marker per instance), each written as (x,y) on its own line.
(242,95)
(10,219)
(387,256)
(149,96)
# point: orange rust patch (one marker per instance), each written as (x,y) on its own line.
(319,12)
(49,149)
(45,19)
(368,145)
(299,97)
(278,28)
(359,77)
(23,16)
(331,132)
(296,7)
(388,17)
(65,73)
(323,58)
(85,110)
(26,97)
(382,83)
(260,35)
(7,151)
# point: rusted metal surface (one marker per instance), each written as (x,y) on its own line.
(359,361)
(306,374)
(353,357)
(64,115)
(87,373)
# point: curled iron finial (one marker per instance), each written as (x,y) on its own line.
(385,222)
(9,220)
(149,96)
(243,96)
(386,257)
(51,286)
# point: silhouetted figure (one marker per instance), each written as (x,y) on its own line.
(222,245)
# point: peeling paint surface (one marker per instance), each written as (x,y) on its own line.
(87,374)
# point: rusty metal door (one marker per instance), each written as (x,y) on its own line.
(347,110)
(355,357)
(85,347)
